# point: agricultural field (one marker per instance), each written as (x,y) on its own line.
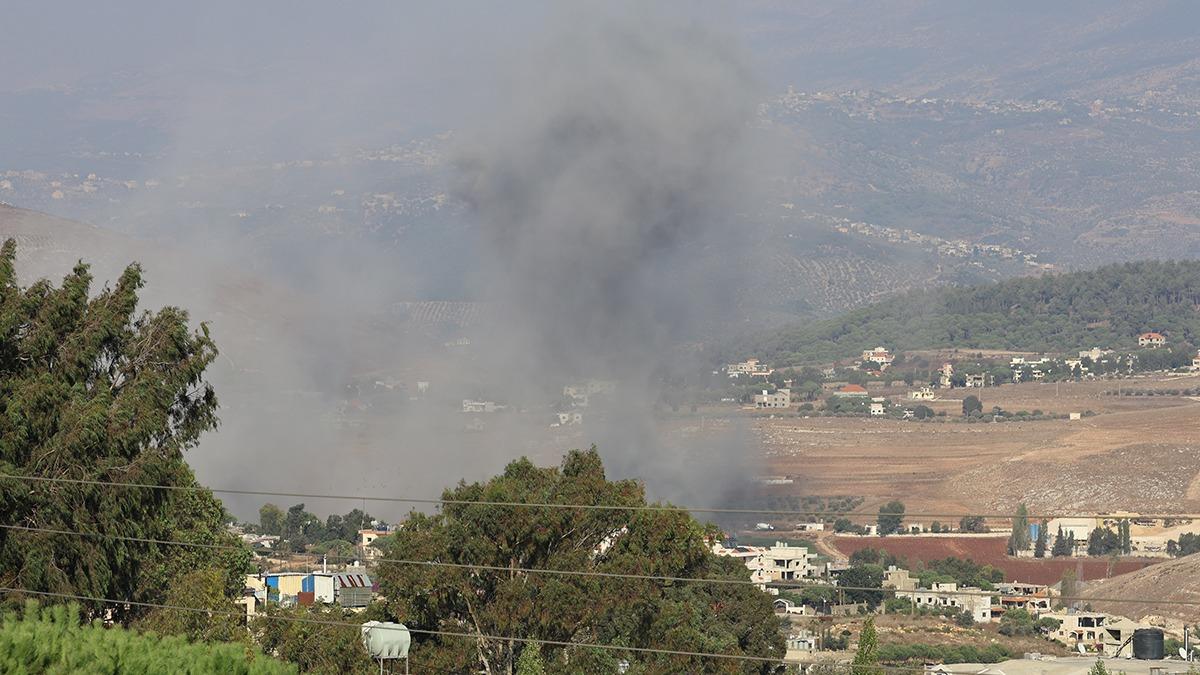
(990,550)
(1136,453)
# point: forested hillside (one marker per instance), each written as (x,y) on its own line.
(1107,307)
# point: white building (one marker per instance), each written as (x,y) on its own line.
(782,562)
(878,410)
(749,367)
(922,394)
(782,398)
(879,356)
(470,406)
(968,598)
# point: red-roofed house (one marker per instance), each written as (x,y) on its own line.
(1151,340)
(851,390)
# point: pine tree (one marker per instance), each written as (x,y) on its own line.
(866,659)
(1039,548)
(1019,539)
(1061,546)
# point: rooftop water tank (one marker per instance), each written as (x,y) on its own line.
(1148,643)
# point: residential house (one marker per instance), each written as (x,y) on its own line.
(1196,361)
(878,410)
(899,579)
(1152,340)
(782,398)
(810,527)
(470,406)
(1098,633)
(364,546)
(1033,598)
(749,368)
(1095,353)
(879,356)
(922,394)
(977,380)
(785,563)
(967,599)
(947,377)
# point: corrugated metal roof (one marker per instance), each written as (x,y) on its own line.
(352,580)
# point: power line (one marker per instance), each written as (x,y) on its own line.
(592,507)
(793,584)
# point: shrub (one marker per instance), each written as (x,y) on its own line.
(52,639)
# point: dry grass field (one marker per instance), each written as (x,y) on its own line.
(1136,453)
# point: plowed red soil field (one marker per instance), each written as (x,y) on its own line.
(991,551)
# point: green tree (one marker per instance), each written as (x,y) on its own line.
(1067,587)
(973,524)
(53,640)
(314,639)
(270,519)
(1019,539)
(93,390)
(198,589)
(866,659)
(1016,622)
(891,515)
(1102,541)
(1098,668)
(530,662)
(858,579)
(730,618)
(1039,547)
(1064,544)
(971,404)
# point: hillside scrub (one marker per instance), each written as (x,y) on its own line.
(1107,307)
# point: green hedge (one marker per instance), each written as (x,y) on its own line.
(898,654)
(52,640)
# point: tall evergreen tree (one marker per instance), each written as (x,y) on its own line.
(1019,539)
(1064,544)
(866,659)
(1039,547)
(93,390)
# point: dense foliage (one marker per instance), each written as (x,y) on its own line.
(1187,544)
(724,618)
(899,654)
(92,389)
(962,572)
(324,640)
(53,640)
(1106,307)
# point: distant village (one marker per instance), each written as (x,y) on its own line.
(758,386)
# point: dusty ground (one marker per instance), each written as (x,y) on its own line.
(1137,454)
(1163,587)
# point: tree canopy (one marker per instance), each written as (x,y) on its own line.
(698,617)
(93,390)
(1106,307)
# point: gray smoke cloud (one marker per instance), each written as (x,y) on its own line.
(601,167)
(607,189)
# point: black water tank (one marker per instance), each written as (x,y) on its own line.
(1148,643)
